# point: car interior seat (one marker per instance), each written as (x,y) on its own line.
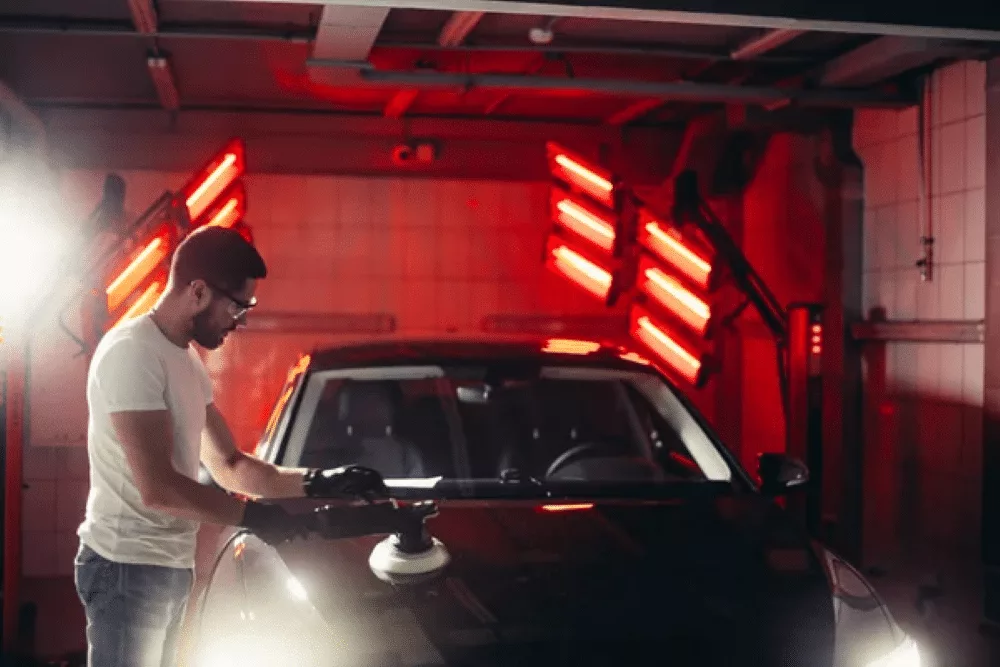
(364,433)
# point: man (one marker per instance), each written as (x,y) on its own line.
(151,420)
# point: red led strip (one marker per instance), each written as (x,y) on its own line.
(666,347)
(675,252)
(228,215)
(673,296)
(205,189)
(143,303)
(587,224)
(587,179)
(567,346)
(581,271)
(569,507)
(133,274)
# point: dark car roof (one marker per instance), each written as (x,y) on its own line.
(457,350)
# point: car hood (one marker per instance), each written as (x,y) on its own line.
(705,580)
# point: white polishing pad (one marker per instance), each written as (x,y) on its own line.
(387,561)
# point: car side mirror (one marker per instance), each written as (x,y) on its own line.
(779,473)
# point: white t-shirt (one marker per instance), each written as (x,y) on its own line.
(135,367)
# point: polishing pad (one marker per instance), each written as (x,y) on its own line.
(391,564)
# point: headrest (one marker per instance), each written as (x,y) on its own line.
(367,409)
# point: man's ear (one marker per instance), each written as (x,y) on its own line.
(201,293)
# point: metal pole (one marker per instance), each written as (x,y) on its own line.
(13,410)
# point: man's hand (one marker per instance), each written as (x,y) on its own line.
(271,523)
(346,481)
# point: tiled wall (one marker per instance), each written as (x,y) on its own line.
(923,404)
(440,255)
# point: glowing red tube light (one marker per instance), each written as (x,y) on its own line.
(581,271)
(594,181)
(581,220)
(143,303)
(672,250)
(568,507)
(672,295)
(137,270)
(212,181)
(230,212)
(568,346)
(654,336)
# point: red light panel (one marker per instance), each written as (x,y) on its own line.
(221,172)
(655,236)
(137,270)
(567,346)
(573,507)
(583,220)
(585,273)
(588,178)
(673,296)
(632,356)
(230,210)
(672,352)
(143,303)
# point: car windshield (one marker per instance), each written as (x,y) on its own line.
(543,425)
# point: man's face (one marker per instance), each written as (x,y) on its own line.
(222,314)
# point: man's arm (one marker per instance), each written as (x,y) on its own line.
(148,443)
(242,473)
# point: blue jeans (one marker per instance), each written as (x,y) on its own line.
(134,612)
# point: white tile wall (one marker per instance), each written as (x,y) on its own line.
(944,383)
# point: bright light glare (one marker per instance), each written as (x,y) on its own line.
(297,590)
(31,245)
(905,655)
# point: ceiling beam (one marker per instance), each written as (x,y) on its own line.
(162,73)
(767,41)
(146,23)
(633,111)
(348,33)
(457,28)
(75,28)
(400,102)
(886,57)
(965,19)
(675,91)
(144,16)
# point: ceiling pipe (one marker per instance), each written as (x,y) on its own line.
(79,29)
(457,28)
(761,44)
(679,91)
(143,16)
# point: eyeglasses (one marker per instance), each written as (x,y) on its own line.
(243,307)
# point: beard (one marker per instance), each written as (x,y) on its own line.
(205,334)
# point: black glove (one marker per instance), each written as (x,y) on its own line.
(346,481)
(272,523)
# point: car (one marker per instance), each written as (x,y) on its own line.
(554,502)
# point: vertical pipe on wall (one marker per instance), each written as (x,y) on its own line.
(840,171)
(990,522)
(13,409)
(924,157)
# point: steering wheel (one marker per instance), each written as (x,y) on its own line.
(582,450)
